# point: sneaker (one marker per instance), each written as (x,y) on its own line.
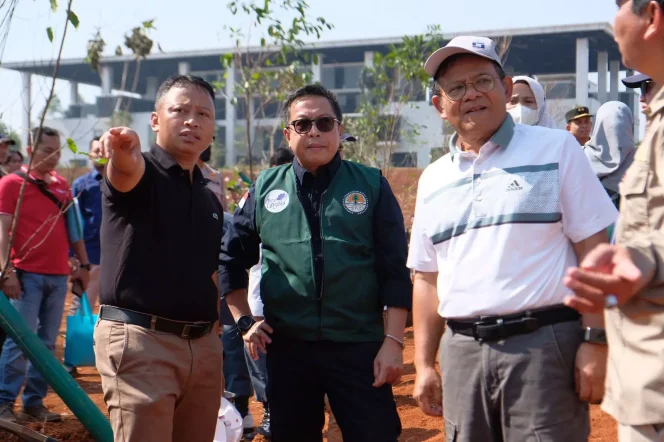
(248,424)
(264,427)
(7,413)
(71,370)
(39,414)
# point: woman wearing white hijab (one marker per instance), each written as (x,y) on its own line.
(611,145)
(528,104)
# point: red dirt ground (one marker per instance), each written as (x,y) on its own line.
(416,426)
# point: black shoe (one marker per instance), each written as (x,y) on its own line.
(39,414)
(264,427)
(7,413)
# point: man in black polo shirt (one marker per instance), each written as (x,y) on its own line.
(160,235)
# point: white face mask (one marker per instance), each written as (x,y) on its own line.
(524,115)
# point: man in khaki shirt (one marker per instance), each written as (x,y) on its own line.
(628,278)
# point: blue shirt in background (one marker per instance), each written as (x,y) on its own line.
(87,188)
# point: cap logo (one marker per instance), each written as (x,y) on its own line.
(478,45)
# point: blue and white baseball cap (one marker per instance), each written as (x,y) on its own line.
(480,46)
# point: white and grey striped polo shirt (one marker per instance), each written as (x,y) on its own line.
(499,227)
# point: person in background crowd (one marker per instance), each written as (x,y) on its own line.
(528,103)
(625,281)
(215,178)
(611,146)
(237,377)
(579,123)
(5,142)
(87,189)
(334,251)
(39,271)
(160,361)
(258,367)
(14,161)
(645,84)
(6,157)
(344,139)
(497,221)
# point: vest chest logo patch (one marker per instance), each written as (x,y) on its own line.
(356,202)
(276,200)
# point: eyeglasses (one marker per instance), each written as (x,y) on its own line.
(482,83)
(646,87)
(304,125)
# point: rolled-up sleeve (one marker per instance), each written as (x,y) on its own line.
(240,247)
(391,251)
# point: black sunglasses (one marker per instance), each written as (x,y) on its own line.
(646,86)
(304,125)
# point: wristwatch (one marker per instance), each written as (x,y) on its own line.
(244,323)
(594,335)
(85,266)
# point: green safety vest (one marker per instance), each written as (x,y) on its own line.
(349,307)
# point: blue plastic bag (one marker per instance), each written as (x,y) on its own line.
(79,350)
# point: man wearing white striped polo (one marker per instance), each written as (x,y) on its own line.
(498,220)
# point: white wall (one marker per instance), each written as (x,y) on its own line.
(430,130)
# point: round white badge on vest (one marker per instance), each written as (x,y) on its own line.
(276,200)
(356,202)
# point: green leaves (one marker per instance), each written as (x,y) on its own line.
(73,19)
(49,33)
(54,5)
(71,145)
(148,24)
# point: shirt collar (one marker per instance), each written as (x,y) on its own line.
(501,137)
(329,170)
(656,104)
(167,161)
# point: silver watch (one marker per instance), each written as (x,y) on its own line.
(594,335)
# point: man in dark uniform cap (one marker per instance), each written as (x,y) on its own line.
(579,123)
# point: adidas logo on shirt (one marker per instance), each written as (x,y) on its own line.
(514,186)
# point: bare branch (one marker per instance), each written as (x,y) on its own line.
(19,203)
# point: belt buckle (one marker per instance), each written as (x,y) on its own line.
(185,331)
(485,322)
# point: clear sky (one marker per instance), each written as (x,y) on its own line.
(199,24)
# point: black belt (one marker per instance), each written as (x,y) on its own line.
(496,328)
(185,330)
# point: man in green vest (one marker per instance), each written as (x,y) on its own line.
(334,255)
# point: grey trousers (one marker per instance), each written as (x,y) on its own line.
(517,390)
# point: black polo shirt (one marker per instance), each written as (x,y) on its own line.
(160,243)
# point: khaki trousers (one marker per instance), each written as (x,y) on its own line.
(641,433)
(157,386)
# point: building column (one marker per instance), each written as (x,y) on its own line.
(26,95)
(106,80)
(184,68)
(368,58)
(614,81)
(151,88)
(316,69)
(602,72)
(230,116)
(582,71)
(73,92)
